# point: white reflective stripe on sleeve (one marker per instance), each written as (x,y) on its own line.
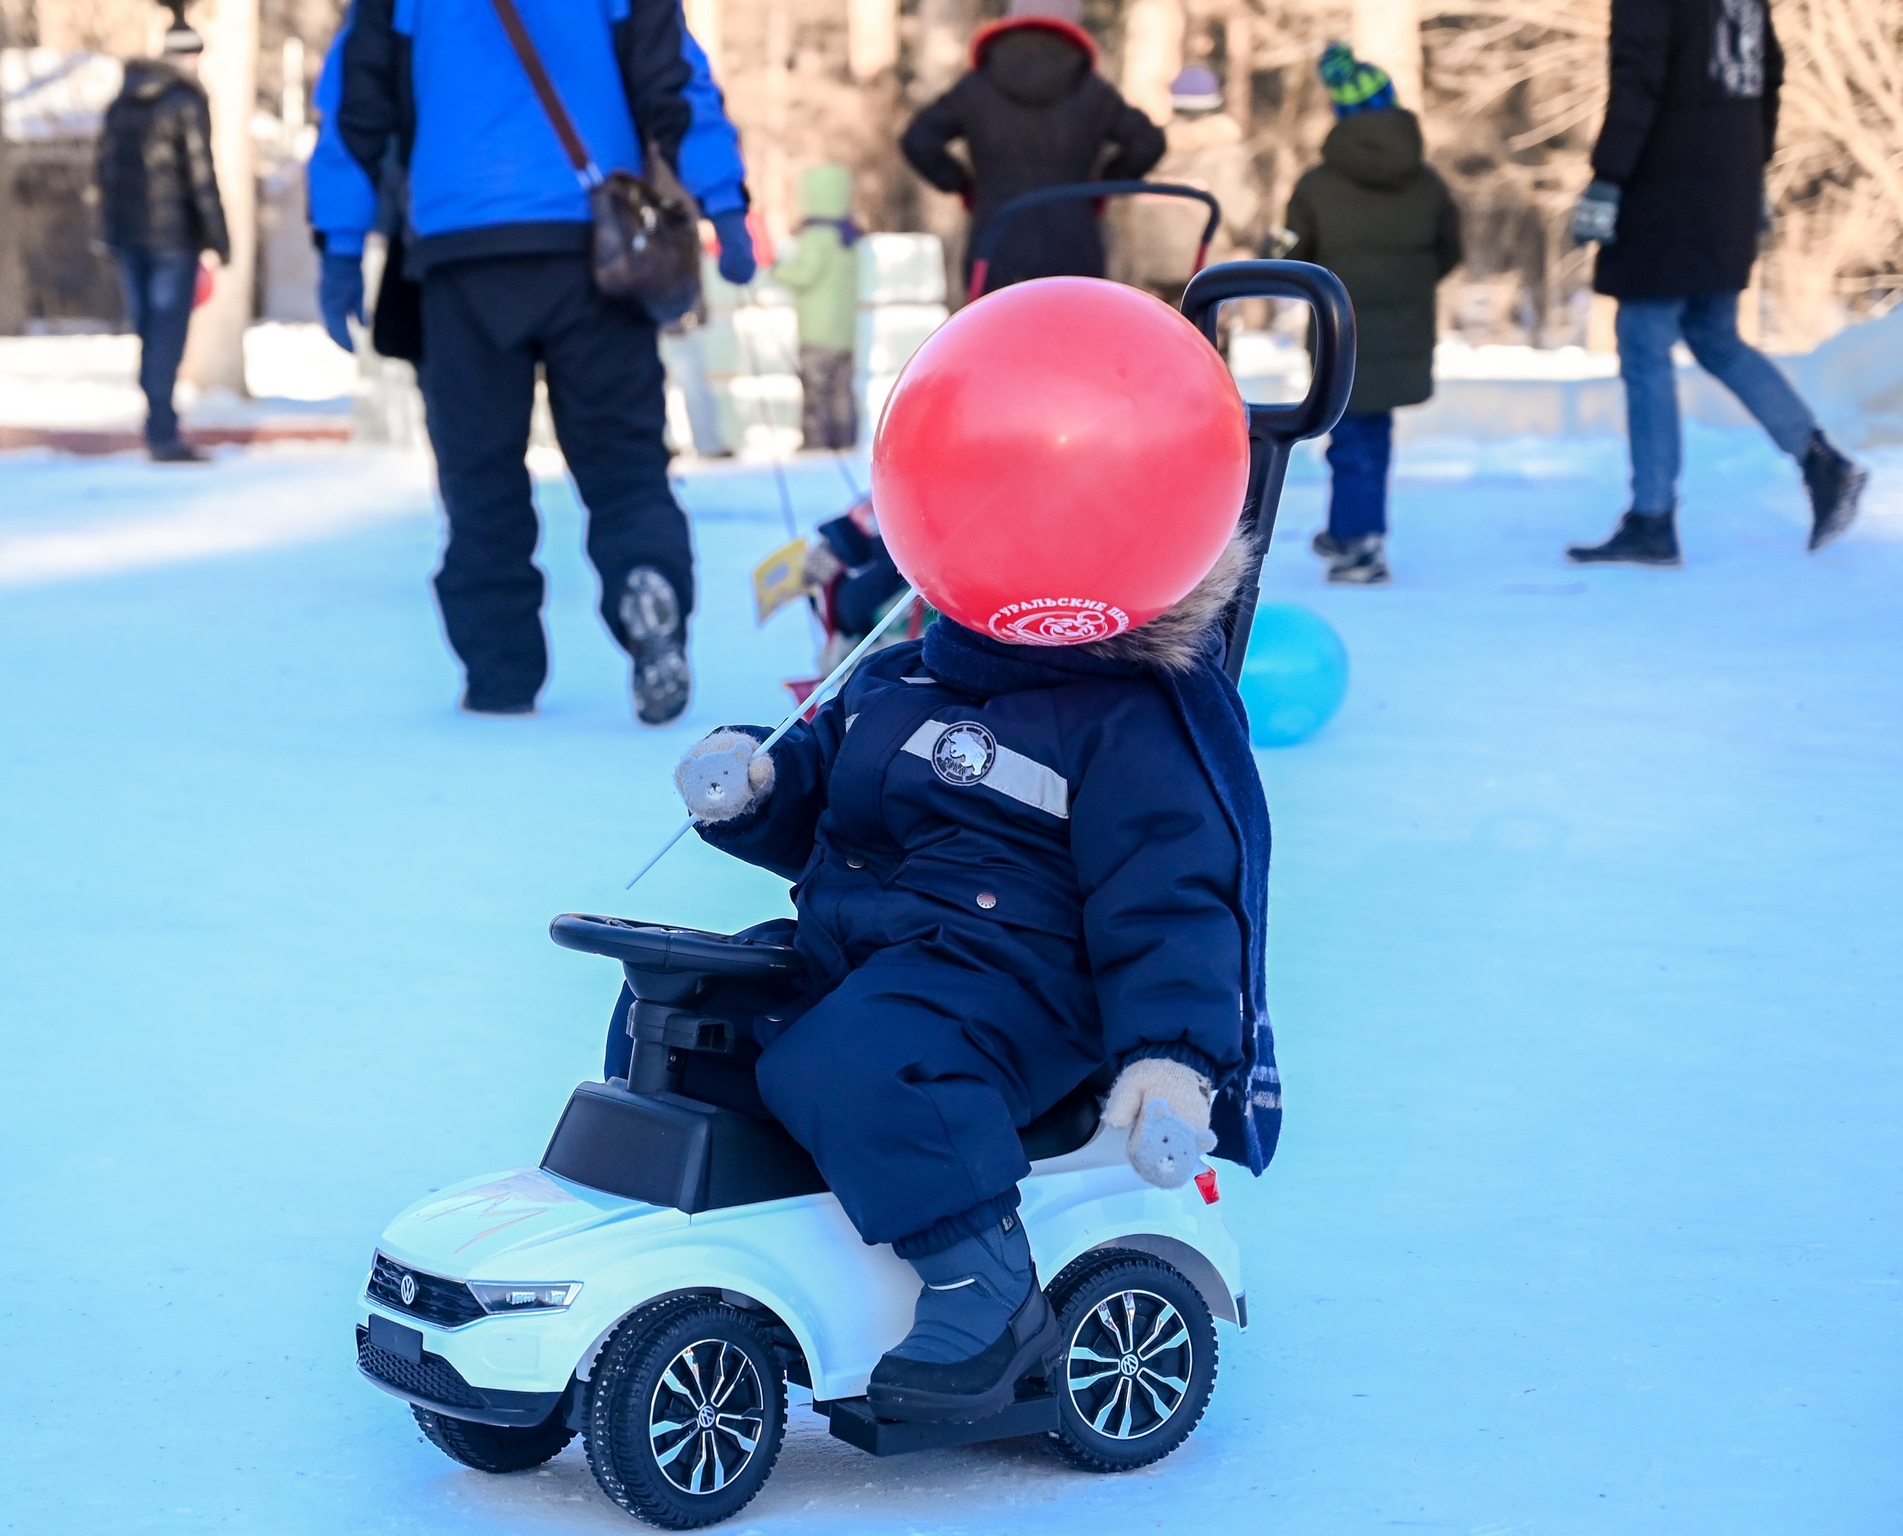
(1012,774)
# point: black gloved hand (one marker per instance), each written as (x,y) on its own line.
(737,265)
(1596,215)
(340,296)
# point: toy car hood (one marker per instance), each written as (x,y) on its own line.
(464,1230)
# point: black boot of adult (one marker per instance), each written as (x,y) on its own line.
(657,639)
(1835,484)
(1642,538)
(982,1324)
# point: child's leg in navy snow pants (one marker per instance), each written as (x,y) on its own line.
(907,1083)
(1359,450)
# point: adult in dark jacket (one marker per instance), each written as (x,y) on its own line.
(1677,206)
(158,209)
(1016,864)
(1033,112)
(498,231)
(1377,216)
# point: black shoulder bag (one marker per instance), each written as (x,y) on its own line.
(646,229)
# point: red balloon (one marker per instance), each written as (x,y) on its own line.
(1061,461)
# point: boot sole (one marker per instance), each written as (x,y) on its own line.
(647,646)
(913,1405)
(1656,564)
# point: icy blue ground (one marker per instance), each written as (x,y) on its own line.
(1586,963)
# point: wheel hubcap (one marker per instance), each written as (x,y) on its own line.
(707,1416)
(1130,1364)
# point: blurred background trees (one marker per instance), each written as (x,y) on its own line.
(1510,91)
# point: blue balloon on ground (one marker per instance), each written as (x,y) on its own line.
(1294,676)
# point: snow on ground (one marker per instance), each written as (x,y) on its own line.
(79,382)
(1585,958)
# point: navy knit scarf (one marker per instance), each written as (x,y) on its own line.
(1247,1114)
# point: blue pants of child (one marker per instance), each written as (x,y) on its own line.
(1708,322)
(1359,450)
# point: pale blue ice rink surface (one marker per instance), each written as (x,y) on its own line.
(1586,963)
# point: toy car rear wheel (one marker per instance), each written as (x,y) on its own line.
(1137,1362)
(686,1413)
(490,1449)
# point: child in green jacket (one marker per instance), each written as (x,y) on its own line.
(823,272)
(1376,215)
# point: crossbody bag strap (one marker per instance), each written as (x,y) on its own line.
(524,45)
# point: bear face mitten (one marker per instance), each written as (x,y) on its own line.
(1165,1105)
(724,776)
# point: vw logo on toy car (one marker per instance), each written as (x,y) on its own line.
(964,753)
(406,1288)
(1058,621)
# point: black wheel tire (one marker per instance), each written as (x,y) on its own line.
(642,1380)
(489,1449)
(1136,1361)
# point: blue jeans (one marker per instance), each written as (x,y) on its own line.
(159,286)
(1709,323)
(1359,450)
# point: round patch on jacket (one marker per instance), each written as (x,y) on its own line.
(1057,621)
(964,753)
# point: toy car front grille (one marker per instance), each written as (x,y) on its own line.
(434,1378)
(446,1303)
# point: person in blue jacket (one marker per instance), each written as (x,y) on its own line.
(1015,865)
(497,231)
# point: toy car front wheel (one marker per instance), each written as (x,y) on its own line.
(1138,1362)
(489,1449)
(686,1413)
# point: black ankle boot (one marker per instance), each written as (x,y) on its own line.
(1642,538)
(1835,484)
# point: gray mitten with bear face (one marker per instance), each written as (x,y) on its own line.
(721,778)
(1166,1106)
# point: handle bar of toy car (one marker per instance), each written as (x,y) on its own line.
(811,702)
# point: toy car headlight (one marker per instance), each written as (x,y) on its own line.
(538,1296)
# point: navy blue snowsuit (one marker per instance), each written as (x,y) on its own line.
(997,894)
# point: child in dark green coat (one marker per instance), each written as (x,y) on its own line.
(1378,217)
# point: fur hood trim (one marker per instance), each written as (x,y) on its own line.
(1177,638)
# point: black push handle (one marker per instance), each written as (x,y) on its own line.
(986,245)
(1334,349)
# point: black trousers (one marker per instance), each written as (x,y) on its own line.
(486,324)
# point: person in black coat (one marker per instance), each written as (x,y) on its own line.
(158,208)
(1033,112)
(1677,207)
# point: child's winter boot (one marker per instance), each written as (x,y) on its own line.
(981,1325)
(1363,562)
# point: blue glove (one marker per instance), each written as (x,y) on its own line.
(340,296)
(736,247)
(1596,215)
